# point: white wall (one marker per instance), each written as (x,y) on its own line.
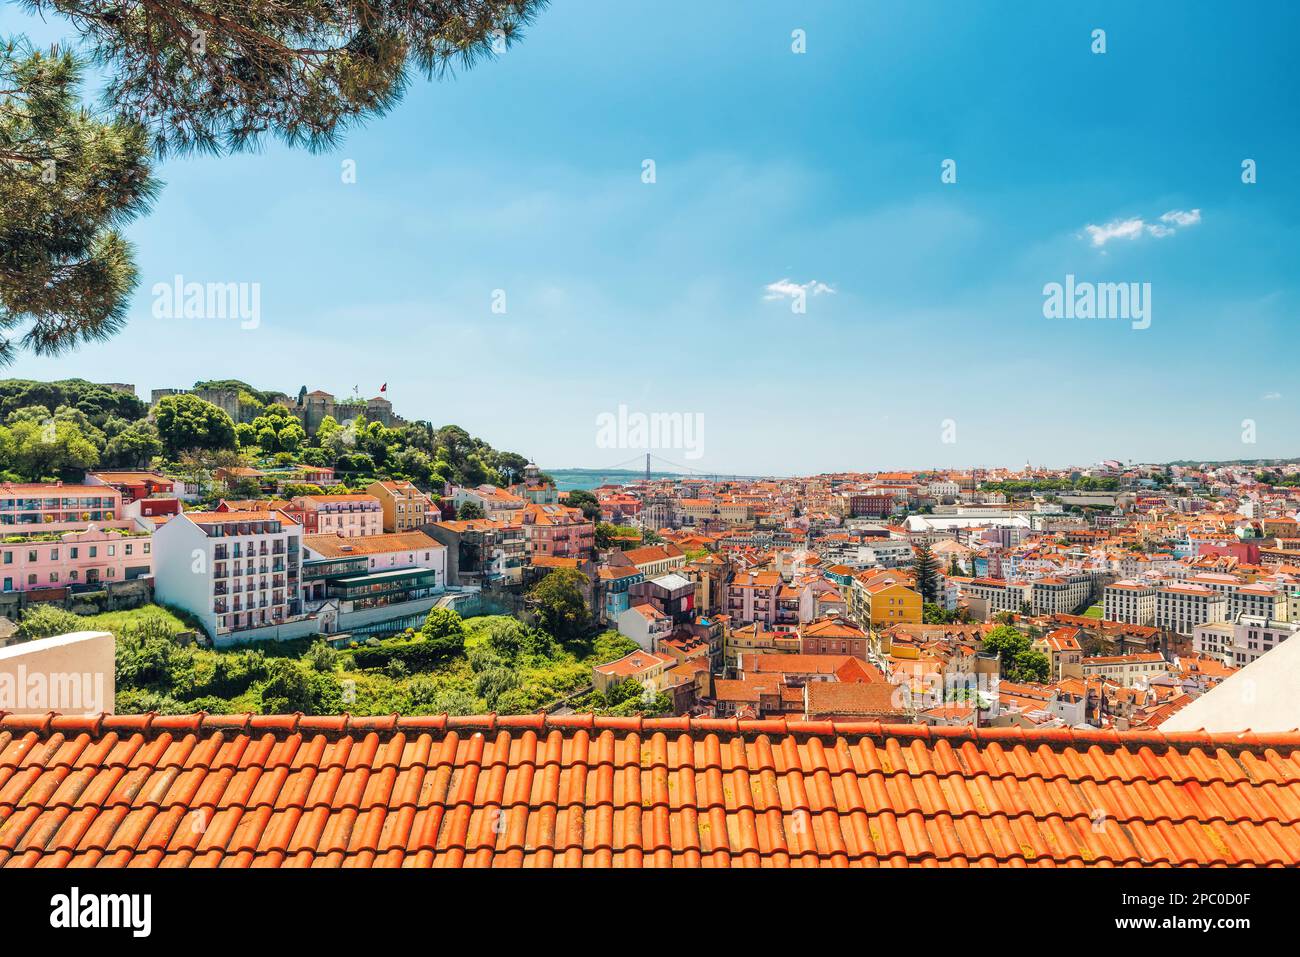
(70,674)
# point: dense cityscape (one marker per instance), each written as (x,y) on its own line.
(1105,596)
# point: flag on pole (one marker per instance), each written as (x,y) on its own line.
(384,387)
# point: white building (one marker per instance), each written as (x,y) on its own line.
(1214,639)
(645,624)
(1128,670)
(1133,603)
(1253,637)
(998,595)
(944,489)
(1258,600)
(1060,595)
(884,553)
(1180,608)
(234,571)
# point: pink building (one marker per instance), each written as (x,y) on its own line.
(55,507)
(346,515)
(557,531)
(90,557)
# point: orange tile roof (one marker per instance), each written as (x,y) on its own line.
(578,791)
(333,545)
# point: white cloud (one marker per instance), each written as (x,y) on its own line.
(1180,217)
(1132,228)
(1272,396)
(788,289)
(1116,229)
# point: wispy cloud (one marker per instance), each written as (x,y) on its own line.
(788,289)
(1179,217)
(1132,228)
(1115,229)
(1271,396)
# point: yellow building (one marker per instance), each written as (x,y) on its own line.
(405,507)
(882,600)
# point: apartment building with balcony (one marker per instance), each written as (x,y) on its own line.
(881,599)
(55,507)
(646,625)
(752,597)
(481,551)
(383,552)
(556,531)
(234,571)
(755,638)
(75,559)
(348,515)
(405,507)
(1131,602)
(614,590)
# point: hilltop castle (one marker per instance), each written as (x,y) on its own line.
(311,408)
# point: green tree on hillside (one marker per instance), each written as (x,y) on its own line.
(133,447)
(444,628)
(187,422)
(558,600)
(38,446)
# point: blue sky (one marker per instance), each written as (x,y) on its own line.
(525,175)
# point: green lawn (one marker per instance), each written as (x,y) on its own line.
(114,621)
(1094,612)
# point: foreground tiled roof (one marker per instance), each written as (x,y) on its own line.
(577,791)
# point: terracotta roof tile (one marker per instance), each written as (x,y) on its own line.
(579,791)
